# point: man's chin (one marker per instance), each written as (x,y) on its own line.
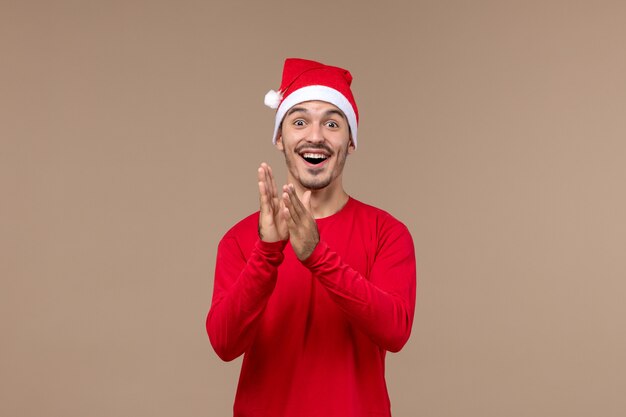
(314,185)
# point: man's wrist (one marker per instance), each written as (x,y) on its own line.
(316,253)
(269,247)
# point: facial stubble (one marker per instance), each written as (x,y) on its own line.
(313,184)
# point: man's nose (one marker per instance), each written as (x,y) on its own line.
(316,134)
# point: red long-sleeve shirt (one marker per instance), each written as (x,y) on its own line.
(314,334)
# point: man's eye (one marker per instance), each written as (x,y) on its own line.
(298,122)
(332,124)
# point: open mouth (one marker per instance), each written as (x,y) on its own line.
(314,158)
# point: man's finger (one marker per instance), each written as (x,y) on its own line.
(272,181)
(293,212)
(260,173)
(266,180)
(263,198)
(306,200)
(286,212)
(295,201)
(270,188)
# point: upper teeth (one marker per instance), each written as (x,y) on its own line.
(314,155)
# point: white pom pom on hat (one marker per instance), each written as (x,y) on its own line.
(273,99)
(305,80)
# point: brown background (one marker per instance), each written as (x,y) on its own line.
(130,136)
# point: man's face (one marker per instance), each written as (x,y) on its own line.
(315,139)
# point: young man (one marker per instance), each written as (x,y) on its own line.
(315,287)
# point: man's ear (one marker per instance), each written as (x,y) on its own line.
(279,140)
(351,147)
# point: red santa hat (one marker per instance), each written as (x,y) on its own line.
(305,80)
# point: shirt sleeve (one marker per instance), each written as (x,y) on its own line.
(382,305)
(240,294)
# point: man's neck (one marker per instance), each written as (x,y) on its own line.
(327,201)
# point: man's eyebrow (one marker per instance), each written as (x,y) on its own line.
(333,111)
(296,109)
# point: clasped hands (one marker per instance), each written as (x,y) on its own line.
(285,216)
